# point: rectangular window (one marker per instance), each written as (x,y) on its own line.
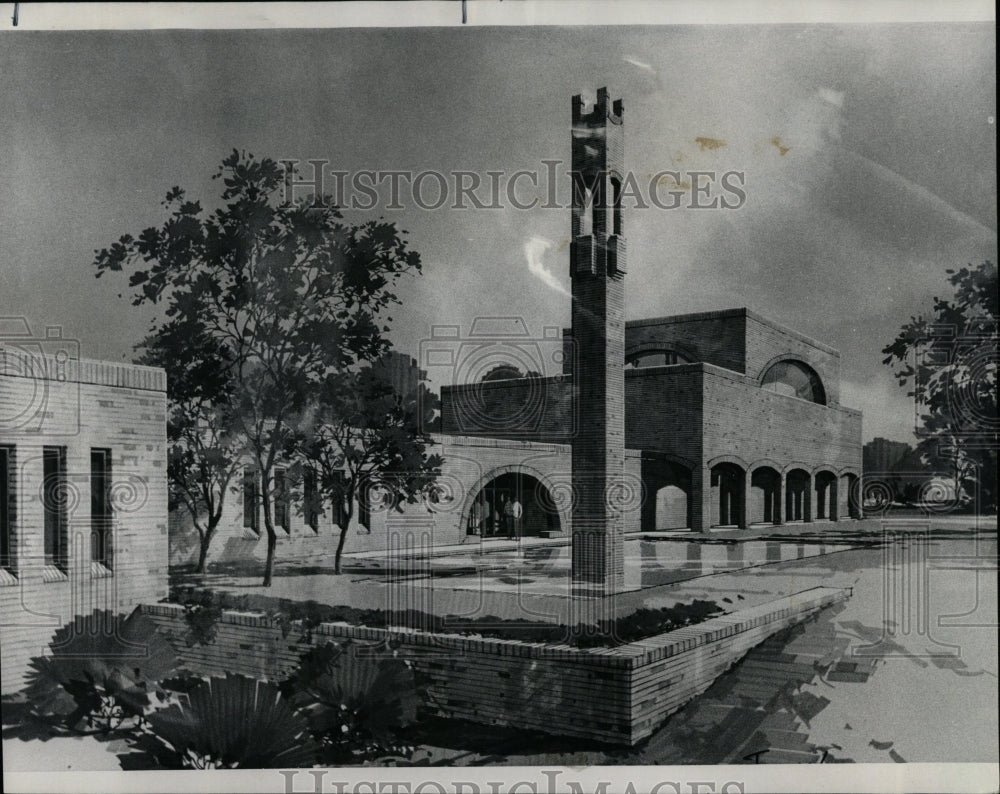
(309,499)
(364,508)
(8,501)
(55,498)
(281,500)
(100,506)
(340,511)
(250,513)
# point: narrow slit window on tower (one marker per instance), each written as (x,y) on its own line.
(616,206)
(585,213)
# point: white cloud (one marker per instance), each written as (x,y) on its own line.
(640,64)
(831,96)
(534,249)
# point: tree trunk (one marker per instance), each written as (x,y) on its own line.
(202,554)
(347,512)
(206,540)
(340,549)
(272,542)
(272,537)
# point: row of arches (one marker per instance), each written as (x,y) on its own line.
(766,496)
(732,499)
(772,497)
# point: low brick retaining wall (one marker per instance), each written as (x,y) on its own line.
(617,695)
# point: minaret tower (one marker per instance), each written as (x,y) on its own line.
(597,269)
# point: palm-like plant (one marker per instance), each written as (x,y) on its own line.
(358,699)
(101,671)
(227,723)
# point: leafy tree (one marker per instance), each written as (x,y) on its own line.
(358,436)
(203,455)
(281,293)
(950,361)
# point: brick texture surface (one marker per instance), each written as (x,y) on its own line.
(469,464)
(81,405)
(618,695)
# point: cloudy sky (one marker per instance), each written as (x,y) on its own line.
(868,152)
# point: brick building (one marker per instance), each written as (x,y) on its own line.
(83,493)
(735,419)
(698,421)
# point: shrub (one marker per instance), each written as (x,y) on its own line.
(227,723)
(201,614)
(359,700)
(644,622)
(102,671)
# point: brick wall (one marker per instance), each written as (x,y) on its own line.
(469,463)
(696,414)
(618,695)
(663,410)
(767,342)
(737,340)
(81,405)
(537,409)
(712,337)
(755,424)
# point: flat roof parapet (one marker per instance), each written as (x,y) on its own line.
(725,313)
(23,362)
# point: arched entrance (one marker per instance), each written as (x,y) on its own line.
(765,496)
(667,495)
(826,496)
(538,512)
(797,496)
(728,482)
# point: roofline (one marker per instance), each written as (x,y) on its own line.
(18,362)
(726,313)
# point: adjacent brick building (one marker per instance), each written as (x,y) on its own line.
(83,500)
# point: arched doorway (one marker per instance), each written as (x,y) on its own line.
(728,482)
(797,496)
(488,518)
(765,496)
(826,496)
(667,495)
